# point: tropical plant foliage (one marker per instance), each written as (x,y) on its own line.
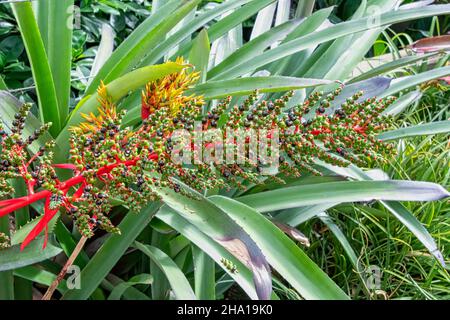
(315,65)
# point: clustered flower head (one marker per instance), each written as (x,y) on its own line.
(129,165)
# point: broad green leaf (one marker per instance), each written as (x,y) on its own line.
(418,130)
(41,12)
(226,24)
(105,50)
(244,86)
(45,87)
(215,223)
(40,276)
(293,64)
(13,258)
(178,282)
(397,210)
(331,33)
(263,21)
(347,191)
(244,276)
(282,253)
(110,252)
(305,8)
(297,216)
(328,60)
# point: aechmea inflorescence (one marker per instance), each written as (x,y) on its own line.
(177,139)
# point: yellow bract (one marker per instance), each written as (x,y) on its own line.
(169,92)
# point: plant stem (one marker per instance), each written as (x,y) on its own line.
(48,295)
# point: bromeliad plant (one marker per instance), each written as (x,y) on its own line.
(98,164)
(110,161)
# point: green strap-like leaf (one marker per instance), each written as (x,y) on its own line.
(331,33)
(13,258)
(281,252)
(133,40)
(111,71)
(243,276)
(244,86)
(215,223)
(191,27)
(48,103)
(347,191)
(178,282)
(414,131)
(59,50)
(411,81)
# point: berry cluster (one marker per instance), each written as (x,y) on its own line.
(129,165)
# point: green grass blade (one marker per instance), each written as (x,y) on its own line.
(347,191)
(282,253)
(178,282)
(111,251)
(419,130)
(45,87)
